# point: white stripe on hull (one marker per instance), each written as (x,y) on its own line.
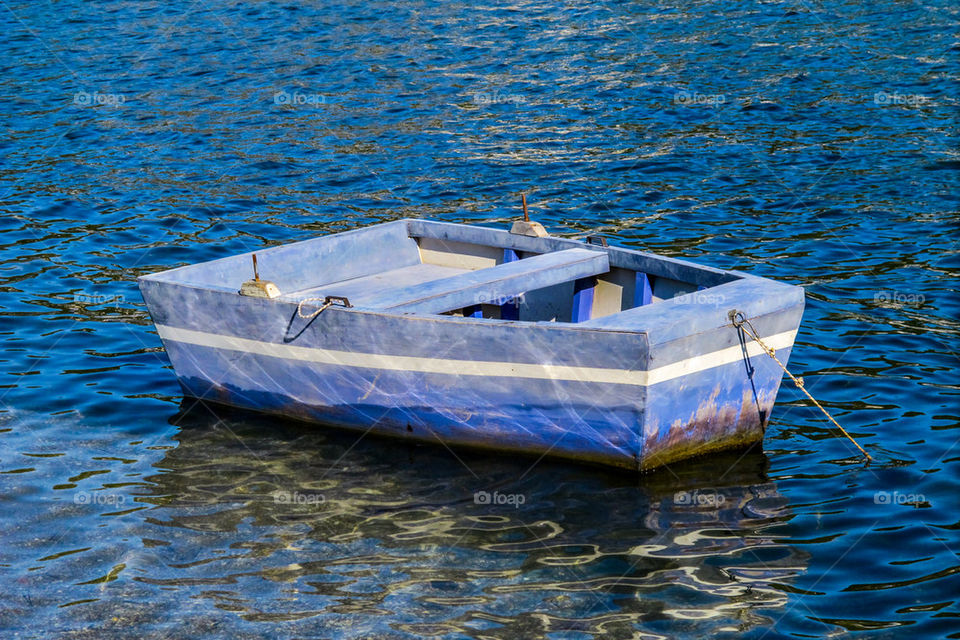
(475,367)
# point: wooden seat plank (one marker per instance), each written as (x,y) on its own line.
(493,284)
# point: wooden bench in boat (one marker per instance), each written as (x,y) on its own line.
(494,283)
(433,289)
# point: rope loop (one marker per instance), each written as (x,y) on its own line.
(328,302)
(313,315)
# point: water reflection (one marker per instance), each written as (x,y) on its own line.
(280,522)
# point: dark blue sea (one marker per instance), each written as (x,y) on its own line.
(813,142)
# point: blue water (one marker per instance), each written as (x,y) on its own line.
(810,142)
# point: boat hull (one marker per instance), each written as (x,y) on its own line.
(591,394)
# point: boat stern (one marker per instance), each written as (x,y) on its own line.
(715,388)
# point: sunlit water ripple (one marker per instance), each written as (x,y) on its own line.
(814,143)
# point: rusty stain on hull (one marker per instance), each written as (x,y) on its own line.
(711,429)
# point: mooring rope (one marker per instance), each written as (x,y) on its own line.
(739,320)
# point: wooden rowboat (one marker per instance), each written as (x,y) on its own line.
(508,340)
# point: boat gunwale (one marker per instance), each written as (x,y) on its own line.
(416,228)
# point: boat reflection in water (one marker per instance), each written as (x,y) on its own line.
(299,529)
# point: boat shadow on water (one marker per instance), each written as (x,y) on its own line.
(376,537)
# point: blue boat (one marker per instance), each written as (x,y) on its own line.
(509,340)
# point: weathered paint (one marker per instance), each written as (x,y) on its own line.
(635,389)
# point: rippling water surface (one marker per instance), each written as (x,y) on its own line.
(811,142)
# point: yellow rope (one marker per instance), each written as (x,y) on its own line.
(738,321)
